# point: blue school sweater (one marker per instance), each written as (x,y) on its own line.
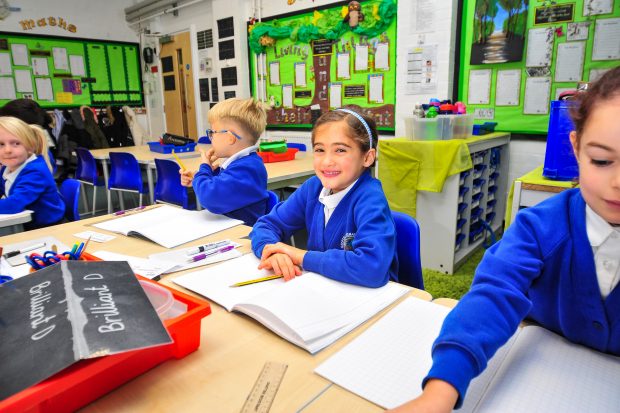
(34,189)
(239,191)
(357,246)
(542,269)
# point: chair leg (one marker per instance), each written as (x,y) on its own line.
(83,196)
(94,199)
(121,200)
(140,200)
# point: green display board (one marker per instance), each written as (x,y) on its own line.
(342,54)
(562,43)
(66,72)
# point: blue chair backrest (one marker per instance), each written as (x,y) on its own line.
(300,146)
(272,201)
(408,249)
(204,139)
(168,187)
(125,172)
(86,166)
(70,192)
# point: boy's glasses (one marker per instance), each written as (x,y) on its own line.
(211,132)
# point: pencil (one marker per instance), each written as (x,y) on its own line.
(257,280)
(179,161)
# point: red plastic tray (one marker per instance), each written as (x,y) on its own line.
(87,380)
(268,157)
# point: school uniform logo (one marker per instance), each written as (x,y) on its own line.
(346,243)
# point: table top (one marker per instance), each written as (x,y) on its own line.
(534,180)
(6,220)
(234,348)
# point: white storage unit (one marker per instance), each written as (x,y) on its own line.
(454,222)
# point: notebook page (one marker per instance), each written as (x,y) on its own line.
(214,282)
(169,226)
(545,373)
(386,364)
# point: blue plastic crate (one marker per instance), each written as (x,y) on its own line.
(560,162)
(158,147)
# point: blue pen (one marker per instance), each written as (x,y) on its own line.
(208,254)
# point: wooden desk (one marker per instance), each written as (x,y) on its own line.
(234,348)
(531,189)
(279,174)
(13,222)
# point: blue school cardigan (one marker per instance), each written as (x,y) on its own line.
(34,189)
(357,246)
(239,191)
(542,269)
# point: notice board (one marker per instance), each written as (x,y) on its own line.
(66,72)
(518,56)
(306,63)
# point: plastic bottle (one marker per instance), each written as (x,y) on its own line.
(418,112)
(432,112)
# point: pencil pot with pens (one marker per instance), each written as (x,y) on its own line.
(39,261)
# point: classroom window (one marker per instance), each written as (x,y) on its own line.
(229,76)
(227,49)
(215,96)
(205,39)
(225,28)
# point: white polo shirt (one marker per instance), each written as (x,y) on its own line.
(331,201)
(605,241)
(10,177)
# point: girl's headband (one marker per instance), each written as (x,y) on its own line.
(361,119)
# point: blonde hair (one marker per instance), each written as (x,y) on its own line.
(248,113)
(33,137)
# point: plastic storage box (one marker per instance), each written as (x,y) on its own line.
(269,157)
(88,380)
(160,148)
(560,162)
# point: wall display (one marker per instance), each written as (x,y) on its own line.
(498,31)
(66,72)
(346,61)
(570,41)
(479,87)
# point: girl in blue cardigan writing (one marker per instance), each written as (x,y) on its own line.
(558,264)
(27,181)
(351,234)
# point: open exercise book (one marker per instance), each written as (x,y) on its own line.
(169,226)
(310,311)
(536,371)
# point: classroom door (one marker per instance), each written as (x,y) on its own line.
(176,62)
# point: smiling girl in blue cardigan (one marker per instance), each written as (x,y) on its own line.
(351,234)
(26,179)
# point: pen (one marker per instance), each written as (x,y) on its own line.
(257,280)
(140,208)
(179,161)
(207,247)
(25,249)
(208,254)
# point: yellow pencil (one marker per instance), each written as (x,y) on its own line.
(257,280)
(179,161)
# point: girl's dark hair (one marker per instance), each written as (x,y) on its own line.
(27,110)
(607,87)
(356,130)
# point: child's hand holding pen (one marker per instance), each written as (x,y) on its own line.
(282,259)
(186,177)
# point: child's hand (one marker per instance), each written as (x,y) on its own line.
(281,264)
(296,255)
(186,177)
(210,158)
(438,397)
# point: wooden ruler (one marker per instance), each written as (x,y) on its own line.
(264,390)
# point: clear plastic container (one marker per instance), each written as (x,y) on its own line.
(462,126)
(163,301)
(428,129)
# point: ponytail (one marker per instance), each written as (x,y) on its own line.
(41,148)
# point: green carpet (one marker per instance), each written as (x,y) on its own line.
(455,285)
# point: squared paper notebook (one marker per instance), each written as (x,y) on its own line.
(310,311)
(169,226)
(536,371)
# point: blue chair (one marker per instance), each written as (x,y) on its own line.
(272,201)
(70,192)
(408,250)
(205,140)
(168,188)
(125,176)
(86,173)
(300,146)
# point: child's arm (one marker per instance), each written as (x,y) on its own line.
(25,191)
(226,190)
(368,261)
(438,397)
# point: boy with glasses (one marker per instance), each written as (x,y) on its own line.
(232,179)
